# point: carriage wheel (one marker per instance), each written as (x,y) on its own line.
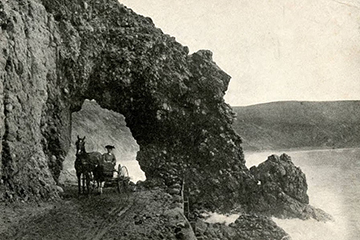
(123,180)
(120,186)
(123,171)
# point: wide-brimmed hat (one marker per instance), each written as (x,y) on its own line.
(109,147)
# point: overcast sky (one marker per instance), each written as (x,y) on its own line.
(274,50)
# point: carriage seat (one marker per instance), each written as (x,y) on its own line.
(109,169)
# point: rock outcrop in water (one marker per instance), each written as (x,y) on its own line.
(282,185)
(282,190)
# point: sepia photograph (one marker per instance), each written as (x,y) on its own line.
(180,120)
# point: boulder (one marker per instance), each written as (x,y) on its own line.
(282,190)
(246,227)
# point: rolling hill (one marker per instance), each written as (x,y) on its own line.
(294,125)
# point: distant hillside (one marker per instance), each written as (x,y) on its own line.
(277,125)
(284,125)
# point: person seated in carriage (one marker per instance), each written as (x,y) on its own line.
(108,161)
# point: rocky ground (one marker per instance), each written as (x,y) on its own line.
(144,214)
(246,227)
(138,215)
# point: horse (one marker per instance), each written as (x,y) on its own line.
(86,164)
(99,176)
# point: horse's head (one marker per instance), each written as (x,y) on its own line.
(80,145)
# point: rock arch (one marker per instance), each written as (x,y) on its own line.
(172,101)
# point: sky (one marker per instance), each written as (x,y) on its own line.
(274,50)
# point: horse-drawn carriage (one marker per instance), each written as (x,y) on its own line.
(91,174)
(118,178)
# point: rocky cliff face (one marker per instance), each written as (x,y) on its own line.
(55,54)
(35,128)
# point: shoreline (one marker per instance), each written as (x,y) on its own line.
(307,149)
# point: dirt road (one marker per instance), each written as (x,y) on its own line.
(140,215)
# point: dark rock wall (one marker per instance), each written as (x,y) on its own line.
(55,54)
(28,62)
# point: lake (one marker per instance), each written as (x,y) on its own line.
(333,178)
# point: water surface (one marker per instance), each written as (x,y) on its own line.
(333,178)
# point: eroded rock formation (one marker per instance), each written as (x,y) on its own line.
(281,184)
(55,54)
(282,190)
(35,128)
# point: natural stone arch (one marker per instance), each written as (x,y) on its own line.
(173,102)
